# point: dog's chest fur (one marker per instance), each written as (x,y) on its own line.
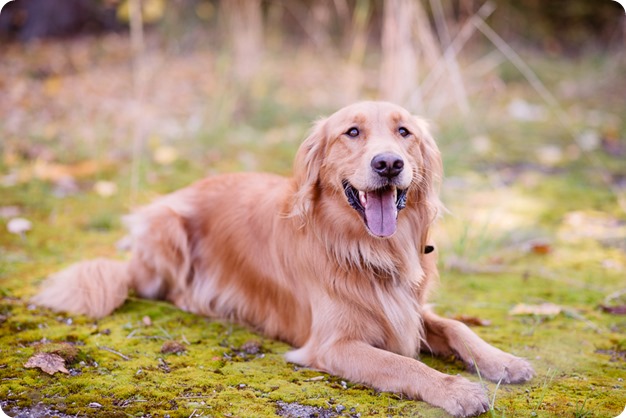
(381,285)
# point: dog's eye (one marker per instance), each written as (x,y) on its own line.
(404,132)
(353,132)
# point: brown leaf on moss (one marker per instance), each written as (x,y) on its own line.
(49,363)
(172,347)
(540,247)
(614,310)
(44,170)
(66,351)
(473,320)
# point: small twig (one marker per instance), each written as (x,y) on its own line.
(164,366)
(495,391)
(550,374)
(452,50)
(149,337)
(110,350)
(193,397)
(580,317)
(615,295)
(167,334)
(526,71)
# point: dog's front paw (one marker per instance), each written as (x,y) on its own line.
(461,398)
(507,368)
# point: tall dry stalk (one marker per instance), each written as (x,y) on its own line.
(429,48)
(430,53)
(244,20)
(433,79)
(137,44)
(398,71)
(354,76)
(452,65)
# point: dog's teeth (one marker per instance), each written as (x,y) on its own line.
(395,194)
(362,198)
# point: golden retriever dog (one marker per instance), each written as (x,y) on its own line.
(335,261)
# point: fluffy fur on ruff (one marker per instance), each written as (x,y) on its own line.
(296,260)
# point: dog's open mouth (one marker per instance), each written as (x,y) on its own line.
(379,208)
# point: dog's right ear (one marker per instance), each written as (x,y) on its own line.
(307,165)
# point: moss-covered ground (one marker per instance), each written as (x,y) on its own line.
(537,215)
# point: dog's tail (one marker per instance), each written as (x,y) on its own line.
(94,288)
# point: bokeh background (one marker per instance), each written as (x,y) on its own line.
(105,104)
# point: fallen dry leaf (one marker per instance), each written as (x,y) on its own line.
(105,188)
(592,224)
(45,170)
(540,247)
(614,310)
(66,351)
(49,363)
(165,155)
(172,347)
(19,225)
(547,309)
(549,155)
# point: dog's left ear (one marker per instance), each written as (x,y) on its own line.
(431,171)
(307,165)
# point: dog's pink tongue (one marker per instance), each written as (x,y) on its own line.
(380,212)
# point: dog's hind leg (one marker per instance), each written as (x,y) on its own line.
(158,269)
(161,266)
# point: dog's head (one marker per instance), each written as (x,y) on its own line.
(373,159)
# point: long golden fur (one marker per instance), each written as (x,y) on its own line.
(332,261)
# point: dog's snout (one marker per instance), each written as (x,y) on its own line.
(387,164)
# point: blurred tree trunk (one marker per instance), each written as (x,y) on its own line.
(398,72)
(354,74)
(429,46)
(244,20)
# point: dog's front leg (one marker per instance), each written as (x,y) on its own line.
(386,371)
(447,336)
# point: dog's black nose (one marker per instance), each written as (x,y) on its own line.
(387,164)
